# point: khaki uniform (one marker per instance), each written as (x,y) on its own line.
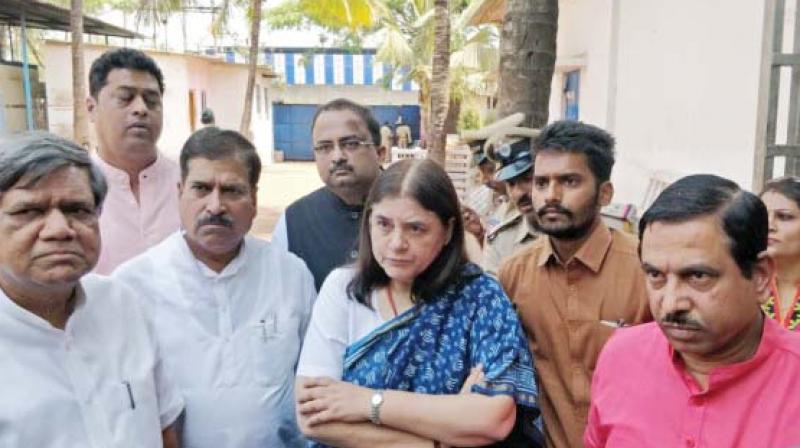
(386,137)
(403,136)
(505,240)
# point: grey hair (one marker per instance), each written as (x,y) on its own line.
(31,156)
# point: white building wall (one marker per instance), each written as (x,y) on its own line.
(678,84)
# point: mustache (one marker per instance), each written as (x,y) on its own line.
(218,220)
(340,165)
(558,208)
(681,319)
(525,200)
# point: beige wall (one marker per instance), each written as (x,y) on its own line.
(224,85)
(675,81)
(12,99)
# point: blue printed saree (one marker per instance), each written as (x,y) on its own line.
(431,347)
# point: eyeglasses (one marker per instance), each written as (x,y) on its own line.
(348,145)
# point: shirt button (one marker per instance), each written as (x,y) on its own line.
(355,215)
(354,254)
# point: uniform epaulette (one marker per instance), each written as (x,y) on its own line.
(499,228)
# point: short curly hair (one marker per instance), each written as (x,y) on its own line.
(579,138)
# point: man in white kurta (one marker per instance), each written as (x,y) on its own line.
(97,383)
(79,362)
(231,330)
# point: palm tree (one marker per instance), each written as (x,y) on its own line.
(407,40)
(219,26)
(527,59)
(80,119)
(255,28)
(440,73)
(155,12)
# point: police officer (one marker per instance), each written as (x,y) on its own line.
(516,171)
(488,197)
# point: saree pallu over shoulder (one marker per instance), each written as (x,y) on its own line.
(432,347)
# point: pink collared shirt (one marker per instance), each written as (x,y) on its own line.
(128,228)
(643,397)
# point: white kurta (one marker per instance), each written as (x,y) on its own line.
(231,340)
(98,383)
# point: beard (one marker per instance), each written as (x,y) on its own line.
(573,229)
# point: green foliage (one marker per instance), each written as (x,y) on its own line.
(331,16)
(470,118)
(287,15)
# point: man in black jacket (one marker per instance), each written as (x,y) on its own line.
(322,227)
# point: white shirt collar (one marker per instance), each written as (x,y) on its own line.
(11,308)
(233,267)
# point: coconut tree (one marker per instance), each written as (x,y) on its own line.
(408,41)
(156,12)
(527,59)
(407,32)
(252,62)
(440,76)
(80,119)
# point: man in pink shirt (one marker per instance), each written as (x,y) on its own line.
(141,208)
(711,371)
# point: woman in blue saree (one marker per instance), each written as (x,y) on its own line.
(413,345)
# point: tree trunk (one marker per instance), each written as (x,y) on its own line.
(255,26)
(425,111)
(80,123)
(527,59)
(440,76)
(451,122)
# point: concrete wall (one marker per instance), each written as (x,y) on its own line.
(12,100)
(675,81)
(223,84)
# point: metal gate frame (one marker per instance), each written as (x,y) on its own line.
(773,60)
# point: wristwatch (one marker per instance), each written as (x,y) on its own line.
(375,407)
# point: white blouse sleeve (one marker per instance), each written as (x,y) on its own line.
(327,336)
(280,236)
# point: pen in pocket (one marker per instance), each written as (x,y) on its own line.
(613,323)
(130,394)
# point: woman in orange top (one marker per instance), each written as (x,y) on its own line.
(782,198)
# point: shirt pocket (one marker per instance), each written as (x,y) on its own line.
(132,408)
(275,346)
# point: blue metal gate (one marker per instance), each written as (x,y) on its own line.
(292,126)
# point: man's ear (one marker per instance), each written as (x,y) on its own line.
(382,151)
(763,272)
(605,193)
(91,107)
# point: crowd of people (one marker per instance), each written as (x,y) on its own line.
(137,311)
